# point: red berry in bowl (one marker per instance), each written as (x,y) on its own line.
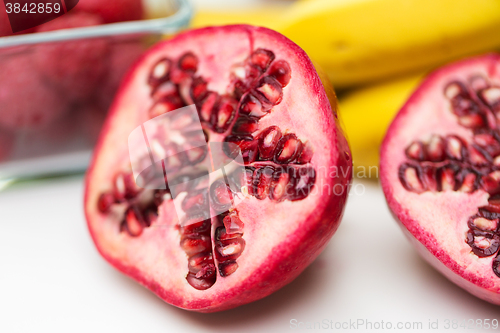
(77,67)
(26,100)
(112,11)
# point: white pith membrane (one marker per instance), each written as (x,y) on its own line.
(273,231)
(438,218)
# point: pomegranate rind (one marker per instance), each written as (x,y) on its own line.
(436,222)
(280,242)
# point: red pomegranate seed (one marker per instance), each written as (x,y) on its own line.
(232,143)
(175,157)
(125,187)
(198,261)
(446,178)
(489,141)
(252,73)
(472,120)
(198,227)
(306,154)
(251,106)
(493,204)
(483,243)
(455,148)
(496,265)
(230,248)
(232,224)
(271,89)
(483,224)
(239,89)
(224,114)
(220,195)
(262,182)
(491,182)
(456,89)
(150,215)
(184,90)
(195,155)
(491,97)
(221,234)
(245,125)
(198,89)
(281,70)
(166,104)
(207,106)
(469,181)
(268,140)
(416,151)
(278,189)
(248,147)
(106,200)
(188,62)
(237,179)
(206,272)
(464,106)
(160,72)
(200,284)
(262,58)
(159,196)
(163,90)
(435,149)
(134,221)
(227,268)
(478,83)
(288,148)
(248,177)
(429,178)
(195,201)
(410,178)
(249,151)
(303,182)
(478,156)
(194,244)
(485,139)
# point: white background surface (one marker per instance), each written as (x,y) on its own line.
(53,280)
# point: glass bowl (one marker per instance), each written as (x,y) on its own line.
(65,120)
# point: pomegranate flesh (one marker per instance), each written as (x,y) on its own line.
(440,172)
(256,95)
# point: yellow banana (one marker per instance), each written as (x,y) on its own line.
(359,41)
(367,113)
(265,17)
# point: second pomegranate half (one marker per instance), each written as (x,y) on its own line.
(440,172)
(258,94)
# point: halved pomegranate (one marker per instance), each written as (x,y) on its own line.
(440,172)
(253,89)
